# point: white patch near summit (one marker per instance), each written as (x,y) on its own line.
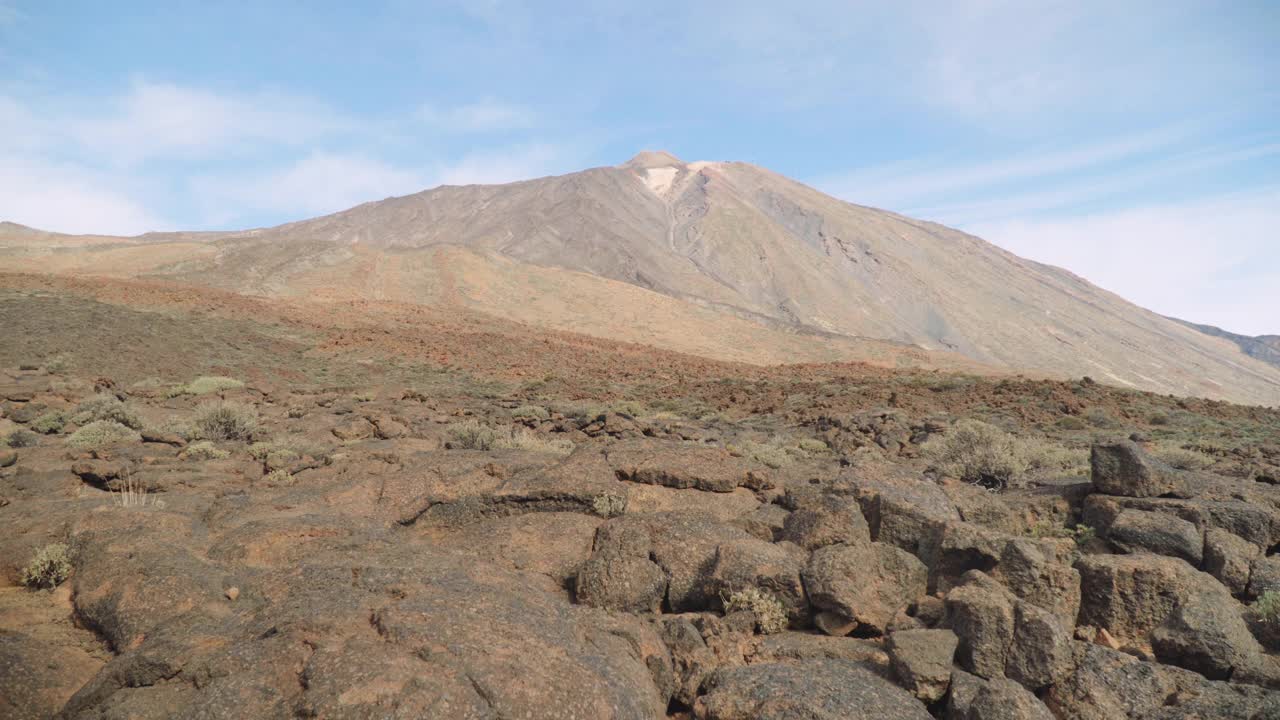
(659,179)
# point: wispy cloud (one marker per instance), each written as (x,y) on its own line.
(1210,261)
(72,198)
(487,115)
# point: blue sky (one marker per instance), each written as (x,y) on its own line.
(1135,143)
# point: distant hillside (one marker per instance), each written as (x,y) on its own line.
(1263,347)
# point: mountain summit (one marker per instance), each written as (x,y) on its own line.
(722,259)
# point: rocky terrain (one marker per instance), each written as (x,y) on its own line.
(724,260)
(220,507)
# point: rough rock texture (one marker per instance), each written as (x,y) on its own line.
(825,520)
(1229,558)
(1006,700)
(831,690)
(922,661)
(867,583)
(1124,468)
(1159,533)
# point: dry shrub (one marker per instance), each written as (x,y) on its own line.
(226,420)
(988,456)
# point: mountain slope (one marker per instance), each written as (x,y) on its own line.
(726,260)
(1263,347)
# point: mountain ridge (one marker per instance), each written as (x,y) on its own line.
(700,257)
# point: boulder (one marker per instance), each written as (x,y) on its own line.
(826,520)
(765,522)
(1108,684)
(1229,558)
(748,563)
(952,549)
(1207,633)
(981,613)
(619,574)
(1035,577)
(867,583)
(1264,575)
(821,690)
(1006,700)
(1124,468)
(684,466)
(353,428)
(37,678)
(921,660)
(1143,531)
(1040,654)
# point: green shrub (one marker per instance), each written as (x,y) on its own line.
(1159,419)
(979,453)
(1071,422)
(21,438)
(205,385)
(225,420)
(58,364)
(106,407)
(531,412)
(523,439)
(278,477)
(204,450)
(49,568)
(102,433)
(607,505)
(813,445)
(274,456)
(1267,606)
(1100,418)
(49,423)
(771,616)
(1182,458)
(471,435)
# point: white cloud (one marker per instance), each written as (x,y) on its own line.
(71,199)
(487,115)
(501,165)
(318,184)
(160,119)
(1211,261)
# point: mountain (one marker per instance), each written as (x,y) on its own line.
(1263,347)
(722,259)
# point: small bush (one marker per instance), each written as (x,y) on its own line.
(49,423)
(296,412)
(205,385)
(102,433)
(58,364)
(133,494)
(608,506)
(1100,418)
(106,407)
(204,450)
(1071,422)
(49,568)
(471,435)
(1267,607)
(979,453)
(21,438)
(1159,419)
(278,477)
(813,445)
(1182,458)
(274,456)
(225,421)
(531,412)
(523,439)
(771,616)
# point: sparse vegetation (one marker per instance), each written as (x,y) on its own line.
(205,385)
(106,407)
(58,364)
(204,450)
(471,435)
(133,494)
(1081,534)
(101,433)
(982,454)
(274,456)
(531,412)
(49,423)
(50,566)
(1181,457)
(771,616)
(524,439)
(1267,607)
(278,477)
(607,505)
(225,420)
(21,438)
